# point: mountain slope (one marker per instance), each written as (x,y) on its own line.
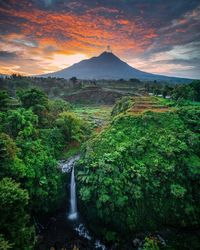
(106,66)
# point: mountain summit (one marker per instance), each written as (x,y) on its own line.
(105,66)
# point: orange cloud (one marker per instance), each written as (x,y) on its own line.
(68,34)
(123,22)
(49,38)
(70,31)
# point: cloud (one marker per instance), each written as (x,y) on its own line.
(6,55)
(25,42)
(67,29)
(138,31)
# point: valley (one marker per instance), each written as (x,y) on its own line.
(143,109)
(133,185)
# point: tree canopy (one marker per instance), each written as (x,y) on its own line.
(33,135)
(142,173)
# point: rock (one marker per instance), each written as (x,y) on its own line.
(136,242)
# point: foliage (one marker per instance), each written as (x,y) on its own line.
(71,126)
(20,122)
(14,220)
(4,244)
(32,138)
(33,97)
(178,92)
(95,116)
(190,115)
(58,105)
(195,85)
(10,164)
(122,105)
(53,140)
(7,148)
(183,92)
(73,79)
(37,100)
(187,92)
(135,179)
(4,100)
(43,179)
(150,244)
(167,91)
(130,177)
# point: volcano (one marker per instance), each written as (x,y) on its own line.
(107,66)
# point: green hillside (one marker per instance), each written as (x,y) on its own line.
(142,173)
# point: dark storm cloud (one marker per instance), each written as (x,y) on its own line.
(194,62)
(187,62)
(158,13)
(6,55)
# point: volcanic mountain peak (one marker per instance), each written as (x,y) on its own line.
(105,57)
(106,66)
(108,56)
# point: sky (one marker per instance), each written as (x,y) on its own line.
(156,36)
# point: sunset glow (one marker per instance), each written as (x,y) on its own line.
(44,36)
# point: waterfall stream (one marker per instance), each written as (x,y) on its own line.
(68,167)
(73,214)
(80,228)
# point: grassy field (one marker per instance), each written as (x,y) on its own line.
(97,116)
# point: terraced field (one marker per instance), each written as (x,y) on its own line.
(143,103)
(96,116)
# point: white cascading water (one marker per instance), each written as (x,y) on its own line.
(81,229)
(73,214)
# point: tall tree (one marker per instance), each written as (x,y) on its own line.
(14,219)
(37,100)
(4,101)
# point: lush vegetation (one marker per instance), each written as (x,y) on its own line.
(96,116)
(177,92)
(122,105)
(142,173)
(138,171)
(75,90)
(34,131)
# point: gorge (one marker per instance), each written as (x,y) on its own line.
(130,178)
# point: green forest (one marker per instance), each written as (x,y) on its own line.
(34,134)
(139,167)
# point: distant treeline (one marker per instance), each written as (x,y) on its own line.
(189,91)
(60,87)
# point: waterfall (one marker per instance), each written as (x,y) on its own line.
(67,167)
(80,228)
(73,214)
